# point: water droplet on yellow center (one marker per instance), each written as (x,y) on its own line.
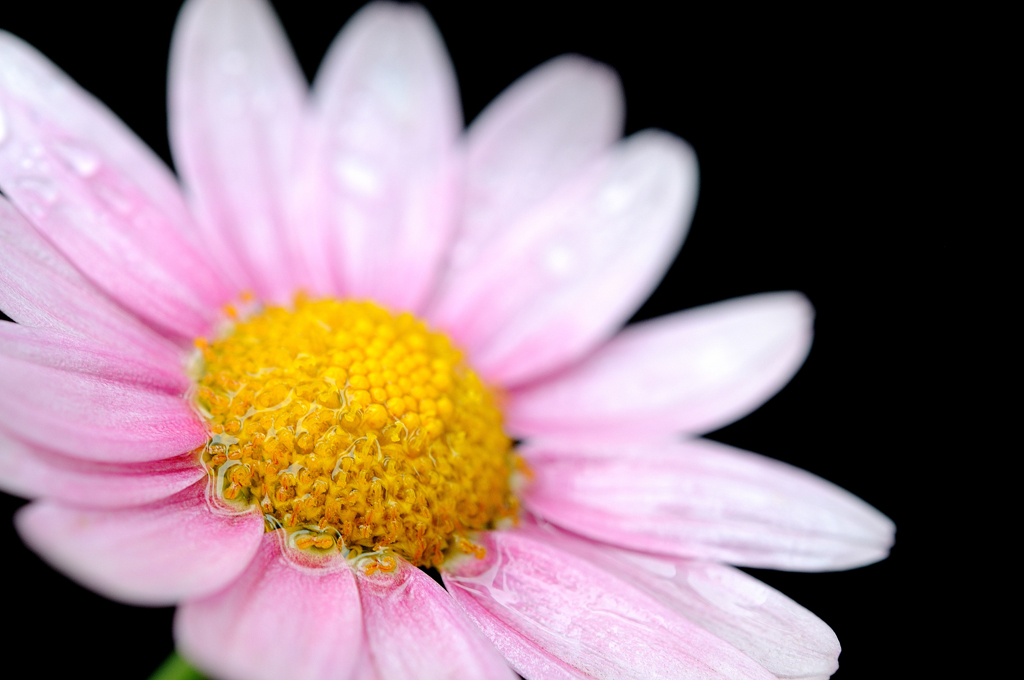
(353,427)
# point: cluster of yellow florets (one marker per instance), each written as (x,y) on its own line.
(350,426)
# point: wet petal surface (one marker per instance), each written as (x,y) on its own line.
(782,636)
(692,371)
(416,630)
(282,618)
(237,99)
(104,199)
(704,500)
(584,616)
(58,308)
(565,276)
(539,134)
(386,120)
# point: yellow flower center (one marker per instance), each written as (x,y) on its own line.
(354,428)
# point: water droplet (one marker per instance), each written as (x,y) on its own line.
(82,161)
(39,187)
(358,177)
(558,260)
(614,199)
(37,193)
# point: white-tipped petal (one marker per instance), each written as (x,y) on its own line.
(583,616)
(767,626)
(64,321)
(540,133)
(703,500)
(692,371)
(566,275)
(101,197)
(237,100)
(383,145)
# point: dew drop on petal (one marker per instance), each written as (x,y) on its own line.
(41,190)
(615,199)
(558,260)
(83,161)
(357,177)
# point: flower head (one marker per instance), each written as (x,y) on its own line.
(269,394)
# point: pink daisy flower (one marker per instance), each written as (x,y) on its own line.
(157,429)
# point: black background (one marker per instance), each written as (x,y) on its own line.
(807,132)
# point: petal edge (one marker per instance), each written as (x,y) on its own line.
(157,554)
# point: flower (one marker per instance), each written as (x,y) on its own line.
(617,564)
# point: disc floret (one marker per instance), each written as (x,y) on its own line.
(354,428)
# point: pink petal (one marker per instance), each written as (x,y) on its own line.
(704,500)
(39,288)
(565,276)
(158,554)
(93,418)
(767,626)
(692,371)
(540,133)
(416,630)
(280,619)
(236,106)
(102,197)
(32,472)
(72,353)
(523,653)
(387,120)
(585,616)
(364,668)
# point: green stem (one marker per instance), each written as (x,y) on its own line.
(176,668)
